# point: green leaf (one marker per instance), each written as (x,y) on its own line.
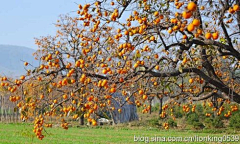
(168,87)
(159,45)
(135,38)
(15,109)
(208,52)
(134,57)
(163,34)
(24,113)
(28,99)
(234,41)
(105,115)
(137,69)
(206,24)
(222,40)
(180,69)
(142,68)
(138,55)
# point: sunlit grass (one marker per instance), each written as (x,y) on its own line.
(22,133)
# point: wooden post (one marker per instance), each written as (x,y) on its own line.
(0,114)
(17,119)
(0,108)
(9,114)
(5,112)
(17,116)
(160,106)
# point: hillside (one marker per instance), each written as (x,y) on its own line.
(10,59)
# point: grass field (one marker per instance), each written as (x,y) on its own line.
(22,133)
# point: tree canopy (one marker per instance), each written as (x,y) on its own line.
(184,50)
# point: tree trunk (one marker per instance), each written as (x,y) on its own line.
(81,120)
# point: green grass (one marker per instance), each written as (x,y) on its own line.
(22,133)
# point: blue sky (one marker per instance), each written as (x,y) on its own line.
(22,20)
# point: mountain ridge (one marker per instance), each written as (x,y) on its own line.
(12,59)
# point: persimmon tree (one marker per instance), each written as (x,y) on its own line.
(183,50)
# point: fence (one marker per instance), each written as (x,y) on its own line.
(8,115)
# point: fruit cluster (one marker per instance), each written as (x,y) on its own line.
(38,127)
